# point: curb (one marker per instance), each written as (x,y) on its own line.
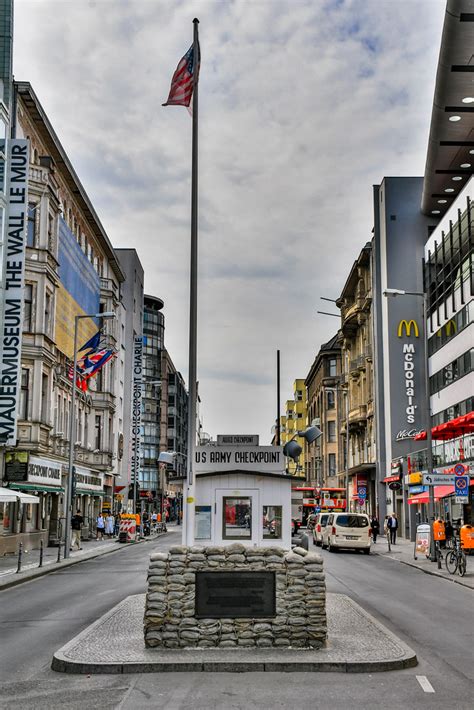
(233,661)
(433,573)
(14,579)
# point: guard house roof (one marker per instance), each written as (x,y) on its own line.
(57,152)
(451,139)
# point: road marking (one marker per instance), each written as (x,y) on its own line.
(425,684)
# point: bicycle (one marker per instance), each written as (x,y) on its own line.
(456,559)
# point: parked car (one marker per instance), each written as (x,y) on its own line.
(319,525)
(347,530)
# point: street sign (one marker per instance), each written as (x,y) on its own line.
(461,488)
(395,486)
(460,469)
(362,492)
(438,479)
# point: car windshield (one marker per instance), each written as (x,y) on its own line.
(352,521)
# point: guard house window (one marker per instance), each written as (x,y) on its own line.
(332,367)
(24,392)
(272,522)
(330,399)
(331,432)
(27,308)
(236,519)
(31,231)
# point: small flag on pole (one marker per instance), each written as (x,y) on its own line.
(93,343)
(182,83)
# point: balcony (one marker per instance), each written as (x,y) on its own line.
(109,288)
(103,400)
(358,415)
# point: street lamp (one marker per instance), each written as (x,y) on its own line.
(393,293)
(293,450)
(72,433)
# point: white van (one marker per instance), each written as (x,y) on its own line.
(347,530)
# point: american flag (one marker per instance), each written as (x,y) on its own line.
(182,83)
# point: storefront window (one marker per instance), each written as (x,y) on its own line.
(272,525)
(237,518)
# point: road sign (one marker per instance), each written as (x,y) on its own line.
(438,479)
(460,469)
(362,492)
(461,488)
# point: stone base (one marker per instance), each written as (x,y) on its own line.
(300,620)
(357,643)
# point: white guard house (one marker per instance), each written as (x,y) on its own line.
(242,494)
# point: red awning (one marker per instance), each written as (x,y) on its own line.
(450,430)
(439,492)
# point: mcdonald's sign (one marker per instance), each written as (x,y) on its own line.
(408,325)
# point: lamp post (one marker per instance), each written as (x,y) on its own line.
(72,435)
(393,292)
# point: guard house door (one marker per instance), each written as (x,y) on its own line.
(237,516)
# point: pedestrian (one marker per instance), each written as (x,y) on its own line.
(109,525)
(100,527)
(117,525)
(375,525)
(448,528)
(154,519)
(392,524)
(76,526)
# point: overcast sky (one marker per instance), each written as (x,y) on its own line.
(304,105)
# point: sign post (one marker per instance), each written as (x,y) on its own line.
(461,489)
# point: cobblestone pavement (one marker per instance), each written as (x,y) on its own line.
(355,639)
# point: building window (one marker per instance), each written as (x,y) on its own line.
(331,432)
(332,464)
(331,400)
(24,394)
(44,399)
(236,518)
(47,313)
(98,432)
(272,522)
(31,230)
(462,365)
(28,309)
(332,367)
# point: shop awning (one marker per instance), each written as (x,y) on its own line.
(10,495)
(439,492)
(36,487)
(83,492)
(450,430)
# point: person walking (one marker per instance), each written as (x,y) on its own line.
(154,520)
(109,525)
(375,525)
(392,524)
(76,527)
(100,527)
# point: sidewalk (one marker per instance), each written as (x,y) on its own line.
(30,560)
(403,552)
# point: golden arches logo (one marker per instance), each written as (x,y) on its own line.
(408,325)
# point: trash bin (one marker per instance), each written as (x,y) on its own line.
(467,537)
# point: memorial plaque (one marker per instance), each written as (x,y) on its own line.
(235,594)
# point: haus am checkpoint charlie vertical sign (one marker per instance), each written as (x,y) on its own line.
(13,256)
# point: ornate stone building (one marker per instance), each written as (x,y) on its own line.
(355,303)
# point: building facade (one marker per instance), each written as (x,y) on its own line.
(324,458)
(71,269)
(291,422)
(355,303)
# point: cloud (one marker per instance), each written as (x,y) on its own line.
(303,106)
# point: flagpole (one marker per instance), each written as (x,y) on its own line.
(189,508)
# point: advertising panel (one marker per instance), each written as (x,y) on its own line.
(136,408)
(78,292)
(12,286)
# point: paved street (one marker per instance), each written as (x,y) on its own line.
(39,617)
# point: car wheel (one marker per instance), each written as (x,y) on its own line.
(331,548)
(318,543)
(314,542)
(366,551)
